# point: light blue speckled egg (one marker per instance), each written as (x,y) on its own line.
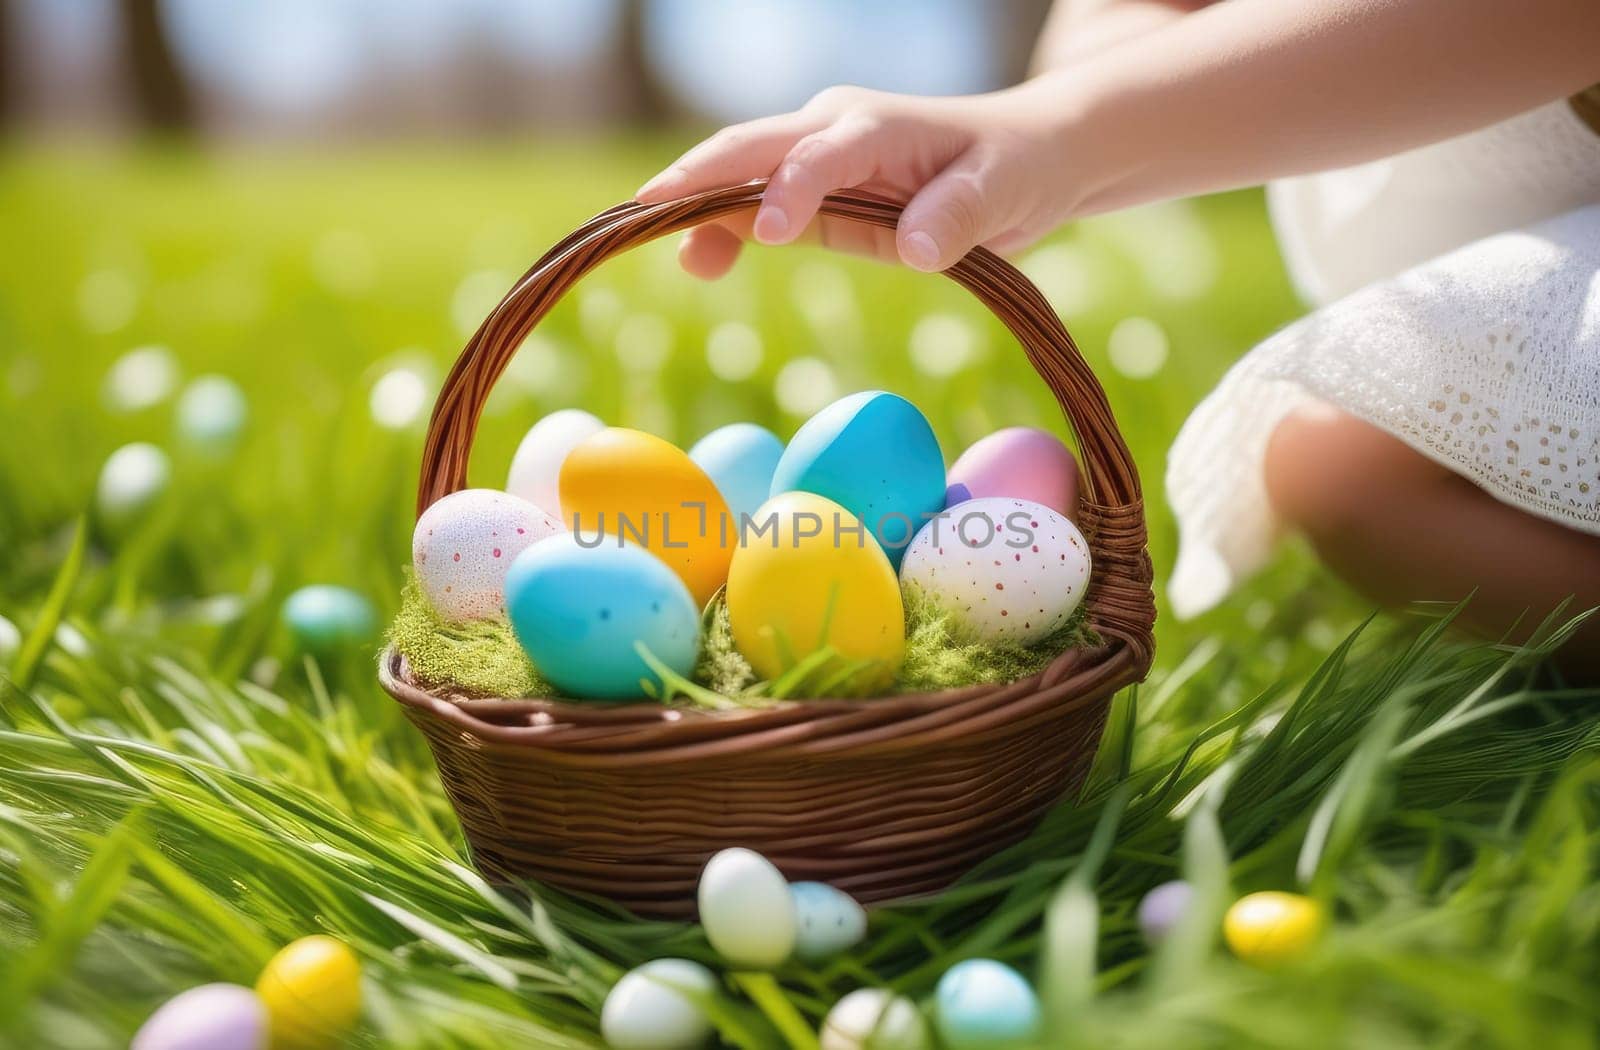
(324,618)
(985,1004)
(740,459)
(827,920)
(874,454)
(580,612)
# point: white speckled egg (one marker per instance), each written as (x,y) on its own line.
(1006,570)
(210,1017)
(827,920)
(536,467)
(747,909)
(653,1007)
(874,1019)
(464,544)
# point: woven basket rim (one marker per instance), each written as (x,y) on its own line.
(595,734)
(1120,602)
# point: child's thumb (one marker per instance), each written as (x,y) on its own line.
(950,215)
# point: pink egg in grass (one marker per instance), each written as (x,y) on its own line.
(1017,463)
(464,545)
(210,1017)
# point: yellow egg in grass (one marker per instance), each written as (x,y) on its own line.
(1273,927)
(312,992)
(621,483)
(808,576)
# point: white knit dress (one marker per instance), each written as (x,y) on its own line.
(1462,292)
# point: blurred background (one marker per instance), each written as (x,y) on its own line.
(370,68)
(247,240)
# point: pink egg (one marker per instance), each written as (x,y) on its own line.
(1018,463)
(464,545)
(210,1017)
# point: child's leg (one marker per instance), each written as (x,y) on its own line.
(1400,528)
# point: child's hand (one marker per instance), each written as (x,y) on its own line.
(975,170)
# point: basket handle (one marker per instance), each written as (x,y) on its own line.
(1112,508)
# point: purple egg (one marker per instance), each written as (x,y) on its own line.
(210,1017)
(1163,908)
(954,494)
(1020,463)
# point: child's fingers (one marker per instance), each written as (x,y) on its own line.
(733,155)
(709,252)
(950,215)
(840,156)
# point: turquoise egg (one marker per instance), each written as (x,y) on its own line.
(740,459)
(827,920)
(985,1004)
(324,618)
(874,454)
(581,612)
(211,412)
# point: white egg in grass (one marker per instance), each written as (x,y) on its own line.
(827,920)
(464,545)
(10,640)
(654,1007)
(1006,571)
(747,909)
(874,1019)
(133,478)
(536,468)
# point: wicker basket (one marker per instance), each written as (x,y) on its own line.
(884,798)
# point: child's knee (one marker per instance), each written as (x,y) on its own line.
(1327,473)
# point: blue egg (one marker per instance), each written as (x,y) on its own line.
(581,611)
(827,920)
(957,493)
(740,459)
(324,618)
(987,1004)
(875,455)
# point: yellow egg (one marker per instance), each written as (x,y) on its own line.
(809,578)
(1272,927)
(312,992)
(629,484)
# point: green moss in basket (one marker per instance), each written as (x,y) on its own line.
(937,658)
(484,658)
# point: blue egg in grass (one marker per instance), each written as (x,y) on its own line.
(985,1004)
(827,920)
(874,454)
(324,618)
(740,459)
(581,613)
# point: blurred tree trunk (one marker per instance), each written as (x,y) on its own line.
(161,95)
(1019,35)
(10,87)
(639,96)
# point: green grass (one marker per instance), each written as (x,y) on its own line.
(181,792)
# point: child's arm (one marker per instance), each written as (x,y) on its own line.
(1233,95)
(1078,29)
